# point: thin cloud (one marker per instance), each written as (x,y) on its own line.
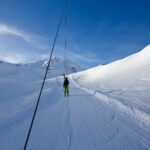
(36,41)
(18,57)
(13,57)
(84,58)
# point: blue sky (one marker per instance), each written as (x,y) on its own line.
(98,31)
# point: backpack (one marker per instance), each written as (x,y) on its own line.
(66,82)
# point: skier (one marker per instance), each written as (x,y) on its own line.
(66,86)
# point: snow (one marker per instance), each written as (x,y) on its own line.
(127,80)
(108,107)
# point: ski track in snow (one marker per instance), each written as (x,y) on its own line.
(108,106)
(133,112)
(80,121)
(68,127)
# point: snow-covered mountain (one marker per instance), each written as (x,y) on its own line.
(20,78)
(35,71)
(108,107)
(123,78)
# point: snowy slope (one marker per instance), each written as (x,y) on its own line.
(20,79)
(35,70)
(20,84)
(127,79)
(108,109)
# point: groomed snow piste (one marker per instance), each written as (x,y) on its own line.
(108,109)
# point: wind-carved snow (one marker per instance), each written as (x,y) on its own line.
(108,107)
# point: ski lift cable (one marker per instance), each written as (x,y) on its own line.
(66,64)
(42,86)
(66,67)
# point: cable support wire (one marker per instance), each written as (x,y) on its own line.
(42,86)
(66,63)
